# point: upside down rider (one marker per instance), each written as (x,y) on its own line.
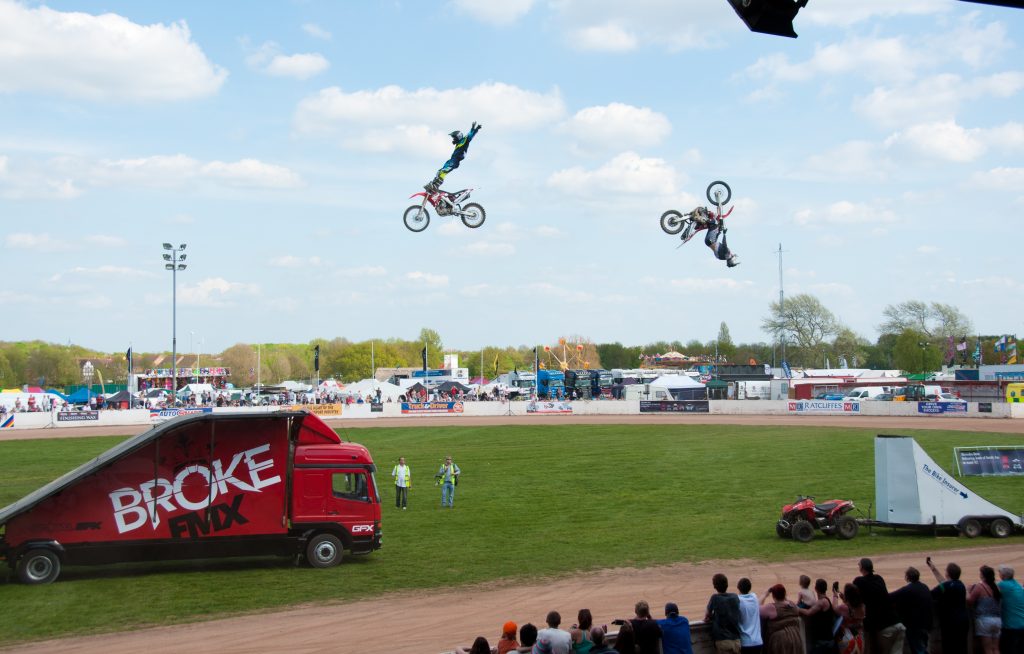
(716,228)
(461,143)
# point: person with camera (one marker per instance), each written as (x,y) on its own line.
(448,478)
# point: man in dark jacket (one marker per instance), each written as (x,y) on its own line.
(723,614)
(883,631)
(951,608)
(913,604)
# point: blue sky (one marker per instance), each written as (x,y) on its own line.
(281,140)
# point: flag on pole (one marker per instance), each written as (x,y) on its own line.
(536,361)
(1000,344)
(423,354)
(977,351)
(128,356)
(950,351)
(1011,347)
(316,358)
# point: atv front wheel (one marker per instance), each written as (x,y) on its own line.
(783,531)
(847,527)
(803,531)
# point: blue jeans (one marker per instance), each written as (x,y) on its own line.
(448,494)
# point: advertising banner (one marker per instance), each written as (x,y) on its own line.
(78,416)
(984,407)
(990,461)
(376,407)
(322,410)
(7,422)
(931,408)
(823,406)
(675,406)
(159,415)
(541,406)
(431,408)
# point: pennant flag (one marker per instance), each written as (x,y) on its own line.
(316,358)
(1012,349)
(128,356)
(950,351)
(962,345)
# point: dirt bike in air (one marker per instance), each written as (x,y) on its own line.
(417,217)
(674,222)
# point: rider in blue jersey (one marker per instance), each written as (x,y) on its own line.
(461,143)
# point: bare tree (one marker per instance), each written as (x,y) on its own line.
(935,320)
(804,321)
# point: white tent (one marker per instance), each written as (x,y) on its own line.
(196,389)
(676,381)
(369,387)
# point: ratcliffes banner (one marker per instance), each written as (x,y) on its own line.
(823,406)
(675,406)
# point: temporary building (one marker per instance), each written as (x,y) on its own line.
(369,387)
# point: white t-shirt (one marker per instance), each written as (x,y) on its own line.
(560,641)
(750,621)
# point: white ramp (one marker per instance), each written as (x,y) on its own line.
(911,489)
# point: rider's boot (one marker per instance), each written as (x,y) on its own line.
(433,186)
(732,261)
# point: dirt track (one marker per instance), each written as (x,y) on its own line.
(434,621)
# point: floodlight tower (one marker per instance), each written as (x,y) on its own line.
(174,258)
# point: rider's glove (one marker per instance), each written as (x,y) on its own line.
(477,127)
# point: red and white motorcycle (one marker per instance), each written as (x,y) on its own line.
(674,222)
(417,217)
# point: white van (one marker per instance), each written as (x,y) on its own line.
(866,392)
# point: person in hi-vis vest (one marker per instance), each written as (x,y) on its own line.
(448,477)
(403,482)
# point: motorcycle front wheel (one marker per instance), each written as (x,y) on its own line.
(473,215)
(719,192)
(672,222)
(416,218)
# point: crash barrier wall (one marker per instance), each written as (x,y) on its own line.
(364,411)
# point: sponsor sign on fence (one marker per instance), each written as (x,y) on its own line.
(990,461)
(430,408)
(823,406)
(167,414)
(376,407)
(541,406)
(941,407)
(7,422)
(78,416)
(322,410)
(675,406)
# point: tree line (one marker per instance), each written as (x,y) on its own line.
(914,336)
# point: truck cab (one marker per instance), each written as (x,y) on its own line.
(550,384)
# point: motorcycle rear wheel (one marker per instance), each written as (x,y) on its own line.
(473,215)
(416,218)
(672,222)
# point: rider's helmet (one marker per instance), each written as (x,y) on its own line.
(457,136)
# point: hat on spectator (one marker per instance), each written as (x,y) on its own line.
(671,609)
(509,629)
(542,646)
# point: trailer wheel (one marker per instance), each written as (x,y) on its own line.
(970,527)
(38,566)
(803,531)
(846,527)
(1000,528)
(324,551)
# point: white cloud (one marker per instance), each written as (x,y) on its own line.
(215,292)
(850,160)
(495,12)
(102,271)
(41,242)
(166,171)
(497,105)
(1002,179)
(710,286)
(362,271)
(3,166)
(937,97)
(547,231)
(269,59)
(626,173)
(102,58)
(845,213)
(429,280)
(844,14)
(616,126)
(490,249)
(106,241)
(945,140)
(418,140)
(316,31)
(605,38)
(291,261)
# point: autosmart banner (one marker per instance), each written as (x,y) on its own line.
(322,410)
(431,408)
(78,416)
(932,408)
(1001,461)
(675,406)
(549,407)
(159,415)
(824,406)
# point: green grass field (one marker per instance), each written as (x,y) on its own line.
(573,497)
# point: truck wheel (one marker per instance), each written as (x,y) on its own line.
(803,531)
(38,567)
(324,551)
(970,528)
(1000,528)
(846,527)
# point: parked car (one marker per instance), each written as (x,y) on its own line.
(949,397)
(884,397)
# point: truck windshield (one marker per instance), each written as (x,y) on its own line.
(350,486)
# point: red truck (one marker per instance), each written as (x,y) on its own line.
(202,486)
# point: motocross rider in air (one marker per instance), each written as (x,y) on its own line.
(716,228)
(461,143)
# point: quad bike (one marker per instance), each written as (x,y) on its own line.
(417,217)
(800,519)
(674,222)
